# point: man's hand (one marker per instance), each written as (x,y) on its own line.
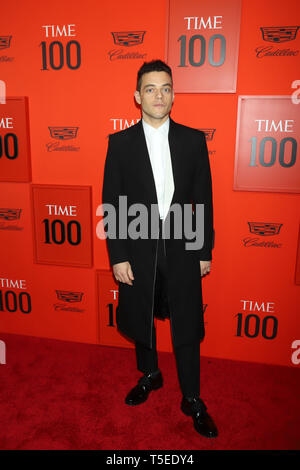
(205,267)
(123,272)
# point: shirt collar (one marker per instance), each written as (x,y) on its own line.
(163,129)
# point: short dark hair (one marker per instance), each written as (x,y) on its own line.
(152,66)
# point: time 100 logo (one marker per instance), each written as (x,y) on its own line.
(197,41)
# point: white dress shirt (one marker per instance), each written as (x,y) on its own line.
(160,157)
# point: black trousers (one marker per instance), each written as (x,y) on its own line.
(187,356)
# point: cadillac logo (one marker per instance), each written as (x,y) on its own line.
(128,38)
(209,133)
(69,296)
(10,214)
(279,33)
(264,229)
(63,133)
(5,41)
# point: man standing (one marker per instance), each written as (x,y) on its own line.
(161,165)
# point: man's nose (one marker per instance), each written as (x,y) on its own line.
(158,94)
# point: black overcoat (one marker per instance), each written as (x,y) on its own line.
(128,172)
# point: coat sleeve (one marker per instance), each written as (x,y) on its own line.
(112,189)
(202,194)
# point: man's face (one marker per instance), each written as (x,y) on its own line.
(156,95)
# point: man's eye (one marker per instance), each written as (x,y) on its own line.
(149,90)
(167,90)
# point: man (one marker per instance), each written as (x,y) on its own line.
(161,164)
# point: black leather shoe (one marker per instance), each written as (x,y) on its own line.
(203,423)
(145,385)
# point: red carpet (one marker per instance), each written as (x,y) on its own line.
(62,395)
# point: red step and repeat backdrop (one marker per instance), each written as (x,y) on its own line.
(68,74)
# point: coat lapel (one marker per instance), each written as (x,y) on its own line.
(175,148)
(143,162)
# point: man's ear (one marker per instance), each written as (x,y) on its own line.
(173,96)
(137,97)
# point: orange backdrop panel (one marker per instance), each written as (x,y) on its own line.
(77,63)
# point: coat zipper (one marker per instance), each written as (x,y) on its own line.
(167,288)
(153,291)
